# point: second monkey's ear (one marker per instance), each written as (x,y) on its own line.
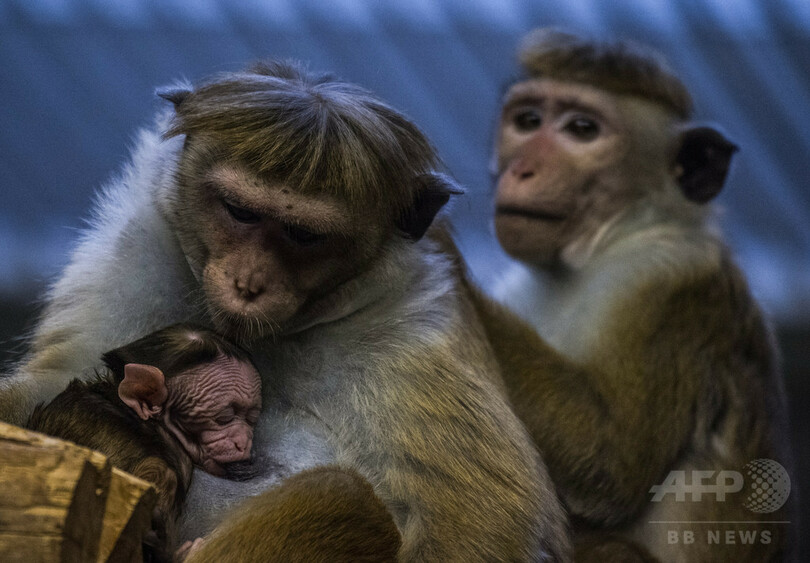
(702,162)
(143,390)
(432,192)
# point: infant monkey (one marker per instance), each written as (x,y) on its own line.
(178,397)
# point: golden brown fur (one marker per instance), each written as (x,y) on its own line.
(326,515)
(620,67)
(285,210)
(654,356)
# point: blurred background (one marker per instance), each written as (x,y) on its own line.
(77,79)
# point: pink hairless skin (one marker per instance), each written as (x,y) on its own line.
(210,409)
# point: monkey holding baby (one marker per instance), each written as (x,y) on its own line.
(286,210)
(655,357)
(184,395)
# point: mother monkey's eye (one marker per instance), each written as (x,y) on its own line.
(301,236)
(241,214)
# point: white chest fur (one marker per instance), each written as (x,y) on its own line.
(571,310)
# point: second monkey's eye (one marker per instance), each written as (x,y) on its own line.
(241,214)
(527,119)
(301,236)
(583,128)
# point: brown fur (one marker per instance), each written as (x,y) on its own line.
(350,143)
(90,413)
(612,549)
(640,400)
(290,218)
(621,67)
(662,359)
(328,515)
(173,350)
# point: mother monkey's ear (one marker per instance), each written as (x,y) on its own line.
(432,191)
(174,94)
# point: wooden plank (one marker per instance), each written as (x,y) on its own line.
(63,502)
(128,516)
(26,548)
(54,494)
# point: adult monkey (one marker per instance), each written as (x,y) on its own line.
(286,210)
(658,358)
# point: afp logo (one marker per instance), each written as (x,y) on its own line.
(768,485)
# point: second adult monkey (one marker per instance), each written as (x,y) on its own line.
(659,358)
(285,209)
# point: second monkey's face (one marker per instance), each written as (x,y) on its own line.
(560,166)
(266,254)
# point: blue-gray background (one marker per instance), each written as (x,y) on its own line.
(77,79)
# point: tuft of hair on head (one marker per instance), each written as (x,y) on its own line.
(310,130)
(173,350)
(620,67)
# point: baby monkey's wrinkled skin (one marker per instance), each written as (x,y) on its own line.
(178,397)
(211,409)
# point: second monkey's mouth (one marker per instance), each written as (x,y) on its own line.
(536,214)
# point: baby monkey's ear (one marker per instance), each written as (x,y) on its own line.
(143,390)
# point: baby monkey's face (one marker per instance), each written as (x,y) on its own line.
(215,407)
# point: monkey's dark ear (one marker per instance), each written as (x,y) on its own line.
(175,95)
(703,161)
(432,192)
(143,390)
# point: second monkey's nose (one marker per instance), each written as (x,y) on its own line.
(521,169)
